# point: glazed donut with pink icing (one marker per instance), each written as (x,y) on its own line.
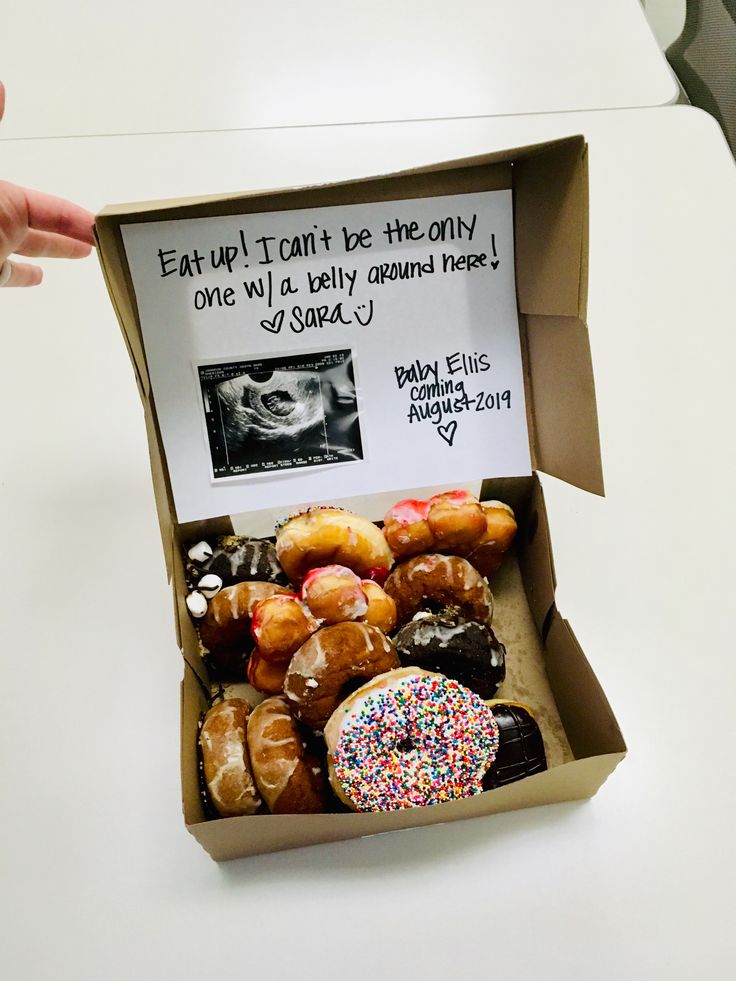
(445,522)
(409,738)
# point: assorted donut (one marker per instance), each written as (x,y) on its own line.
(374,649)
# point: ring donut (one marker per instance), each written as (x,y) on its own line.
(225,764)
(331,660)
(431,583)
(290,778)
(332,536)
(409,738)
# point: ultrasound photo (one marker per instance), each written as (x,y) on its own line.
(281,413)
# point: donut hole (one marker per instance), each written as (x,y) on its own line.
(405,745)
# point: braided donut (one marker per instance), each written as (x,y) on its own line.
(329,661)
(487,554)
(409,738)
(328,536)
(433,582)
(289,776)
(444,523)
(225,763)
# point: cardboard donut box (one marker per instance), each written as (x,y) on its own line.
(550,209)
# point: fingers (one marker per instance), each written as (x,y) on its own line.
(21,274)
(51,245)
(49,214)
(2,100)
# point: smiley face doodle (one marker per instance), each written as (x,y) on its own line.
(270,405)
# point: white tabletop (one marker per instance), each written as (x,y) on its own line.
(99,877)
(177,65)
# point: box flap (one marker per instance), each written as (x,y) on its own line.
(549,182)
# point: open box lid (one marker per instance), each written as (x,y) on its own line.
(533,201)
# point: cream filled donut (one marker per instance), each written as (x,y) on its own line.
(409,738)
(326,536)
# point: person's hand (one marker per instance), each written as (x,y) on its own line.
(37,224)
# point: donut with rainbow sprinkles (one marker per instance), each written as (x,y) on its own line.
(409,738)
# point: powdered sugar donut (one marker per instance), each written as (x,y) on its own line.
(409,738)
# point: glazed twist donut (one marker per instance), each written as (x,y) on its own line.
(329,536)
(434,582)
(409,738)
(331,660)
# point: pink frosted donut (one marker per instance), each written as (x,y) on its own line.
(409,738)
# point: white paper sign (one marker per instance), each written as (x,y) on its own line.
(328,352)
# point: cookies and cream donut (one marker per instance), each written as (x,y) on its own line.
(461,649)
(409,738)
(443,523)
(433,582)
(331,536)
(235,558)
(290,777)
(330,661)
(225,764)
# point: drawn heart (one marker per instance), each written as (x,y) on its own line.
(494,264)
(448,432)
(275,325)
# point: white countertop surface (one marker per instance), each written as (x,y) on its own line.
(181,66)
(99,877)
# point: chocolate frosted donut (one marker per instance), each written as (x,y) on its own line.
(461,649)
(329,663)
(236,559)
(430,583)
(521,748)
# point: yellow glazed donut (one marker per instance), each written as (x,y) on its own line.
(331,536)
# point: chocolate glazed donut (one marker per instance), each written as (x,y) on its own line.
(432,583)
(461,649)
(326,668)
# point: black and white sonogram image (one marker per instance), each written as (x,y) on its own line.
(281,413)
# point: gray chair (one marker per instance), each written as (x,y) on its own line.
(704,60)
